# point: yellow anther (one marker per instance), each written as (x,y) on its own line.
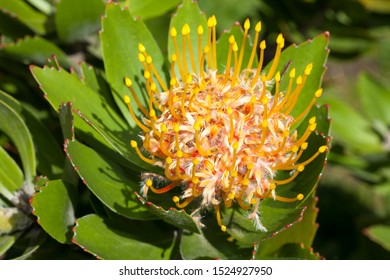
(231,195)
(263,45)
(163,128)
(304,145)
(301,168)
(322,149)
(147,75)
(264,100)
(247,24)
(229,110)
(149,59)
(235,47)
(308,69)
(206,49)
(173,57)
(313,127)
(254,201)
(133,144)
(141,57)
(232,40)
(149,183)
(189,79)
(200,30)
(128,82)
(173,32)
(185,30)
(179,154)
(126,98)
(141,48)
(299,80)
(258,27)
(175,199)
(272,186)
(173,82)
(234,173)
(235,145)
(292,73)
(264,123)
(153,87)
(168,160)
(312,120)
(318,93)
(295,149)
(152,113)
(195,180)
(277,77)
(250,166)
(300,196)
(223,228)
(245,182)
(176,127)
(280,39)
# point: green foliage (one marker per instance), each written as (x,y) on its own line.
(88,200)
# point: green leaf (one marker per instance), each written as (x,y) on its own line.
(45,6)
(295,251)
(359,135)
(131,240)
(312,51)
(54,205)
(375,98)
(110,182)
(173,216)
(301,233)
(188,13)
(11,177)
(379,234)
(49,155)
(150,8)
(212,243)
(77,20)
(120,37)
(98,123)
(12,125)
(223,48)
(11,28)
(35,20)
(34,50)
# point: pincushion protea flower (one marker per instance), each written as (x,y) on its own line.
(222,136)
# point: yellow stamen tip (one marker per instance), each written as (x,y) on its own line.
(195,180)
(272,186)
(163,127)
(126,98)
(258,27)
(292,73)
(280,39)
(189,79)
(206,49)
(152,113)
(229,110)
(179,154)
(176,127)
(318,93)
(308,69)
(235,47)
(147,74)
(304,145)
(185,30)
(223,228)
(231,196)
(173,32)
(168,160)
(195,161)
(322,149)
(312,120)
(254,201)
(301,168)
(313,127)
(264,123)
(247,24)
(200,30)
(141,57)
(141,47)
(148,183)
(133,143)
(232,40)
(175,199)
(149,59)
(173,57)
(300,196)
(250,166)
(235,145)
(277,77)
(128,82)
(245,182)
(262,45)
(299,80)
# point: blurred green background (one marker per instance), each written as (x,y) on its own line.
(354,192)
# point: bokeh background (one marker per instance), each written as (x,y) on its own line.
(354,192)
